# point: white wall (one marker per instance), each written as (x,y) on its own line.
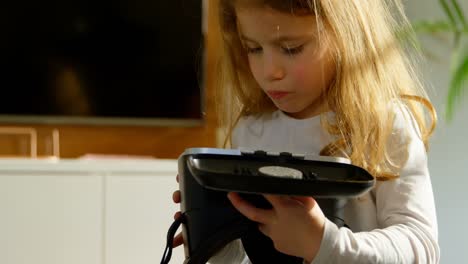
(448,157)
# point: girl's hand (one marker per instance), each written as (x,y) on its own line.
(294,224)
(178,239)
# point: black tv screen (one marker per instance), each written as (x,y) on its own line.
(101,61)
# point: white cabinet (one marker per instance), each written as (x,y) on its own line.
(86,211)
(50,219)
(139,212)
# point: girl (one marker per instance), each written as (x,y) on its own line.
(328,77)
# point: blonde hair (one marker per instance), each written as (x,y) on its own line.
(372,72)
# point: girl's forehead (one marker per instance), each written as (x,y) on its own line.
(265,22)
(303,7)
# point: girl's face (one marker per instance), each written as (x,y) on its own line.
(287,59)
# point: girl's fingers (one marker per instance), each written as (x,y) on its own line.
(278,201)
(275,200)
(178,240)
(253,213)
(177,215)
(176,196)
(307,201)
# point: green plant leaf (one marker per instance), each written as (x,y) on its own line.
(433,27)
(457,85)
(448,12)
(462,26)
(460,14)
(452,19)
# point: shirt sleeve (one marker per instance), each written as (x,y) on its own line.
(406,218)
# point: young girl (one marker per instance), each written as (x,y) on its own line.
(328,77)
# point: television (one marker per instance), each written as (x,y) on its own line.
(102,62)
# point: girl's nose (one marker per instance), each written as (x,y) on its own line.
(273,70)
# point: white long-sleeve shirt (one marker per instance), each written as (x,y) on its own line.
(395,222)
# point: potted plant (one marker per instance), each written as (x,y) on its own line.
(455,24)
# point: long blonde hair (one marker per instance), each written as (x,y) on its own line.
(372,71)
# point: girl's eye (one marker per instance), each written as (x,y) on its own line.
(293,50)
(253,50)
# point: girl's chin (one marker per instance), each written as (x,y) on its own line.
(290,111)
(298,113)
(288,108)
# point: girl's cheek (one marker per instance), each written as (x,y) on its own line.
(299,73)
(254,69)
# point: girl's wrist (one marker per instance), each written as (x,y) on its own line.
(312,252)
(316,238)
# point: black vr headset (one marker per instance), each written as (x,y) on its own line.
(210,222)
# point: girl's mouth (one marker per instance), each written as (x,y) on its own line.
(277,94)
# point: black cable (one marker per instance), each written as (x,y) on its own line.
(170,239)
(173,229)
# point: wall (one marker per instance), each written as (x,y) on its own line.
(448,157)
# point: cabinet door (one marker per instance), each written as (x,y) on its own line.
(50,219)
(138,214)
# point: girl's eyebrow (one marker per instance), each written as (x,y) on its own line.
(244,38)
(283,38)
